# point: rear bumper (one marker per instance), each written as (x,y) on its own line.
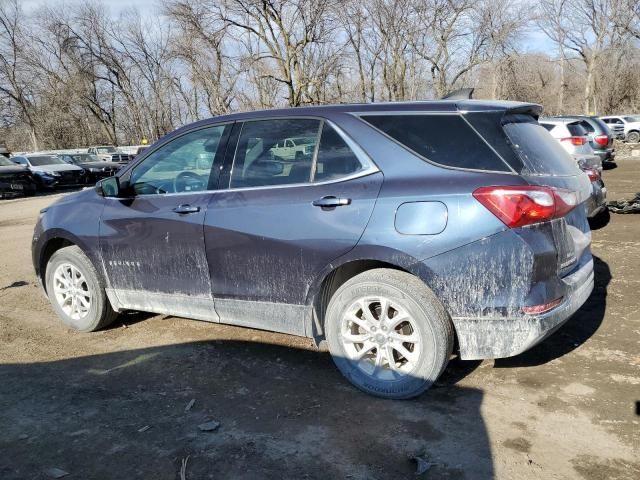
(483,337)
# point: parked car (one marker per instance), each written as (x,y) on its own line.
(139,150)
(572,137)
(616,127)
(630,124)
(49,171)
(413,227)
(599,136)
(293,148)
(109,153)
(95,169)
(15,180)
(597,202)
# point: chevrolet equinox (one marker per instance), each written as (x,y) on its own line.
(400,231)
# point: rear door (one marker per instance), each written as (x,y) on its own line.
(282,221)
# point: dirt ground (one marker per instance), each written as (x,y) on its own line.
(113,404)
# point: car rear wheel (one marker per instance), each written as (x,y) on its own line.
(75,291)
(633,137)
(388,333)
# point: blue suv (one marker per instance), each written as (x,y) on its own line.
(389,233)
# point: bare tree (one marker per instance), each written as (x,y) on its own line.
(16,80)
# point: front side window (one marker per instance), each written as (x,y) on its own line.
(267,155)
(182,165)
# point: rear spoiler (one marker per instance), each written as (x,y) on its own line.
(532,109)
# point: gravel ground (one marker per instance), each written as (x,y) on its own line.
(127,402)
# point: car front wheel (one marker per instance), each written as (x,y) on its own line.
(388,333)
(75,291)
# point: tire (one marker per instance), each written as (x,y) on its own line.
(429,327)
(633,137)
(99,313)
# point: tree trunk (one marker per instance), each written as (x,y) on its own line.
(587,87)
(34,138)
(563,85)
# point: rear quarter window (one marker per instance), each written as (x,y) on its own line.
(447,140)
(541,154)
(576,130)
(587,126)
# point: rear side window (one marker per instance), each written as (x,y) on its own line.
(540,153)
(548,126)
(444,139)
(275,152)
(335,158)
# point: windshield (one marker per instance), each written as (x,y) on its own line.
(635,118)
(5,162)
(107,150)
(45,160)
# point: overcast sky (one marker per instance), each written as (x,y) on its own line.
(115,5)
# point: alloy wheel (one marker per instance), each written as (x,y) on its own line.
(381,338)
(71,291)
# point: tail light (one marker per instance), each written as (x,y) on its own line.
(575,140)
(517,206)
(602,140)
(538,309)
(594,175)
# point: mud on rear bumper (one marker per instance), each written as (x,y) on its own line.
(484,337)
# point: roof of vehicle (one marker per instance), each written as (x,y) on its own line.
(409,106)
(558,120)
(586,118)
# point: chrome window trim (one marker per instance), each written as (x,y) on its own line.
(368,166)
(359,174)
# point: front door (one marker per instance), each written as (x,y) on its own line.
(153,242)
(281,222)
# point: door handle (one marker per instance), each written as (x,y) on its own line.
(185,209)
(330,202)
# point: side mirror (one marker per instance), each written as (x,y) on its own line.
(108,187)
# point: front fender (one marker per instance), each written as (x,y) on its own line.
(78,223)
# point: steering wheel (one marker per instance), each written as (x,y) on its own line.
(184,179)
